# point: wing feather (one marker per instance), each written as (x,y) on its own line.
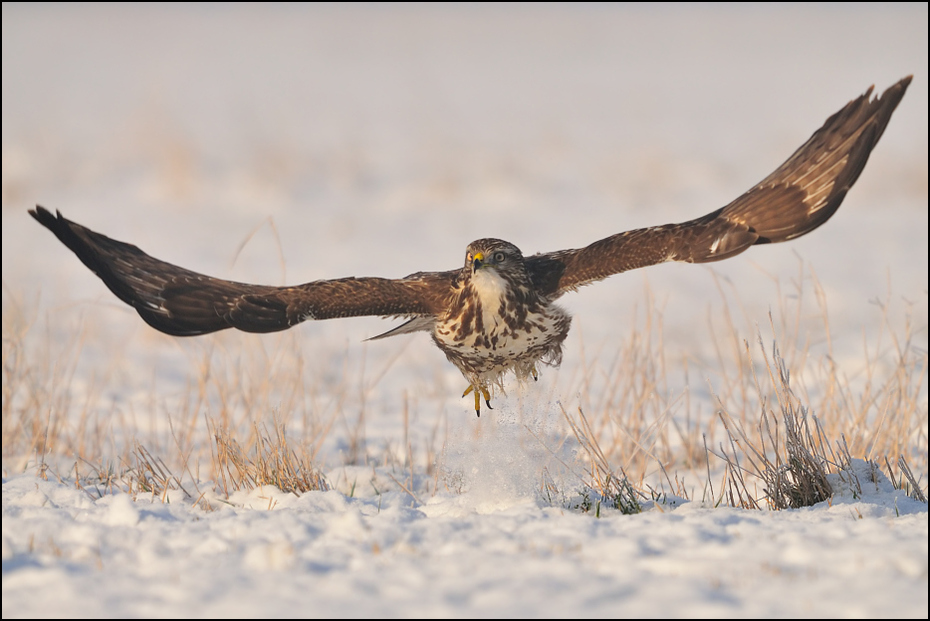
(180,302)
(795,199)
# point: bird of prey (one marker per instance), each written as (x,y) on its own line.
(497,313)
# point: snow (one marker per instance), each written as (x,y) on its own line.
(288,143)
(324,554)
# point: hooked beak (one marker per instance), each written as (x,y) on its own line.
(477,261)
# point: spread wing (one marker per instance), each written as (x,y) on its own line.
(798,197)
(184,303)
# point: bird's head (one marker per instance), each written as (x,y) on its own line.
(492,254)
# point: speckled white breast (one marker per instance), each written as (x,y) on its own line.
(493,340)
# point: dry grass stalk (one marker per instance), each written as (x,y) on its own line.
(271,462)
(607,487)
(915,492)
(149,474)
(36,397)
(629,407)
(790,461)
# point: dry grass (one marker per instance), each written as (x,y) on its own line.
(775,440)
(255,412)
(792,460)
(906,481)
(794,442)
(38,412)
(272,461)
(600,484)
(148,475)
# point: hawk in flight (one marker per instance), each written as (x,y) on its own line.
(497,313)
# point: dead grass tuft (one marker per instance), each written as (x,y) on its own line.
(791,459)
(272,461)
(148,474)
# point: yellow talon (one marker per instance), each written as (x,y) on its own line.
(479,392)
(534,373)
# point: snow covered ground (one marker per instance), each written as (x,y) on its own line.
(286,144)
(324,554)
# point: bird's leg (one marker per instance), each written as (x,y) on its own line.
(534,373)
(471,388)
(479,392)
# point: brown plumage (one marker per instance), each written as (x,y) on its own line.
(497,313)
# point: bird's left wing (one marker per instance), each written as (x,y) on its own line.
(184,303)
(798,197)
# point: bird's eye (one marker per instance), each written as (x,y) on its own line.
(498,257)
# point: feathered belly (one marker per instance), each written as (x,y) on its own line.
(485,346)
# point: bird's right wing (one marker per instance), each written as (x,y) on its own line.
(798,197)
(184,303)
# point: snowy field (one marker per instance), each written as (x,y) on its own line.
(286,144)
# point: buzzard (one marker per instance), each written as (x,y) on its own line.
(497,313)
